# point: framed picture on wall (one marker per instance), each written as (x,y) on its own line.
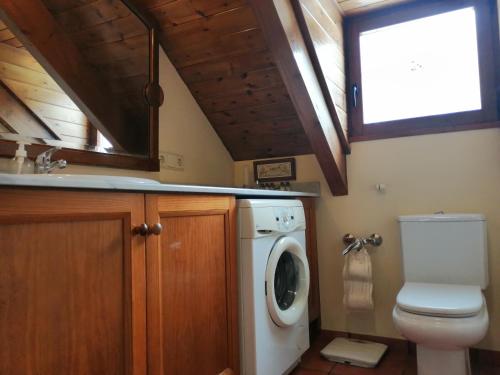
(274,170)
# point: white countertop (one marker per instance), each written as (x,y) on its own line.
(117,183)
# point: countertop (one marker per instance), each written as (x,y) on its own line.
(118,183)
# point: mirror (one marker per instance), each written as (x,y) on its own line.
(90,87)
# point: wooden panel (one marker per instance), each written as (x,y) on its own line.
(321,36)
(192,279)
(73,283)
(18,119)
(35,88)
(312,257)
(175,13)
(358,6)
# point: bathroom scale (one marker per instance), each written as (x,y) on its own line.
(354,352)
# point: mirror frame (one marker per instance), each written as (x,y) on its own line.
(153,94)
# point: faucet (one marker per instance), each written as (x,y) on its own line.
(43,165)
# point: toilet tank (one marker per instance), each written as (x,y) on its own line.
(445,248)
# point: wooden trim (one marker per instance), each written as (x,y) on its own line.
(323,140)
(424,130)
(8,149)
(487,117)
(299,13)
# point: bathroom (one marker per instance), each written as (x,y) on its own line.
(454,169)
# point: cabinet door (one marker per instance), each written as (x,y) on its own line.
(72,283)
(312,256)
(192,286)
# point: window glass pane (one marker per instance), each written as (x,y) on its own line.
(419,68)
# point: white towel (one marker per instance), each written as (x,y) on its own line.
(358,284)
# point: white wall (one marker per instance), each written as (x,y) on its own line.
(185,130)
(454,172)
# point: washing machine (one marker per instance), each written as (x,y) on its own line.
(274,285)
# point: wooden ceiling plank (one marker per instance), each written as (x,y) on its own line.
(229,22)
(41,34)
(235,65)
(277,94)
(253,114)
(319,47)
(182,11)
(19,57)
(21,119)
(225,46)
(111,31)
(284,39)
(118,50)
(92,14)
(57,6)
(351,7)
(245,83)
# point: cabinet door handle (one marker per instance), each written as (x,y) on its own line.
(227,371)
(155,229)
(141,229)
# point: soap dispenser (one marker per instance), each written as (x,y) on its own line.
(20,164)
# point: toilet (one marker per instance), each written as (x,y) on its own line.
(441,306)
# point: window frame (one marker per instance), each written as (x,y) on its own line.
(488,51)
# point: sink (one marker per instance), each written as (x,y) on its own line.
(74,180)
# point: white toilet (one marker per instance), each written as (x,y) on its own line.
(441,306)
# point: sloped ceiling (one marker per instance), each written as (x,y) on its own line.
(220,52)
(350,7)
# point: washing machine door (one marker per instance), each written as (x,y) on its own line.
(287,282)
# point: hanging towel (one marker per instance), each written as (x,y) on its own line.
(358,284)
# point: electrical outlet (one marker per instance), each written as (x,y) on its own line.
(169,160)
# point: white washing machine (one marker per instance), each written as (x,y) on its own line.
(274,285)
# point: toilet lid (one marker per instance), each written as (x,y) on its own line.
(440,299)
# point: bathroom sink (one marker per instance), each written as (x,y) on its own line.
(75,180)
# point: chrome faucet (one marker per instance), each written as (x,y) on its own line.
(43,163)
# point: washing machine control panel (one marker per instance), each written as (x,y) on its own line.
(285,218)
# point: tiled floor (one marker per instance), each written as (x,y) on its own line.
(397,361)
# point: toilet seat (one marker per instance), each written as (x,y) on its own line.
(440,300)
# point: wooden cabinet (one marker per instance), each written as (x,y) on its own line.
(82,293)
(192,290)
(72,283)
(312,256)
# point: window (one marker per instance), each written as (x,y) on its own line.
(423,67)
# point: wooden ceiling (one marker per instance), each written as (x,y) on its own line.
(32,103)
(350,7)
(219,50)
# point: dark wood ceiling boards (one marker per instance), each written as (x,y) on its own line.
(114,42)
(221,54)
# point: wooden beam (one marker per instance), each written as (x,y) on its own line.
(284,39)
(34,25)
(321,67)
